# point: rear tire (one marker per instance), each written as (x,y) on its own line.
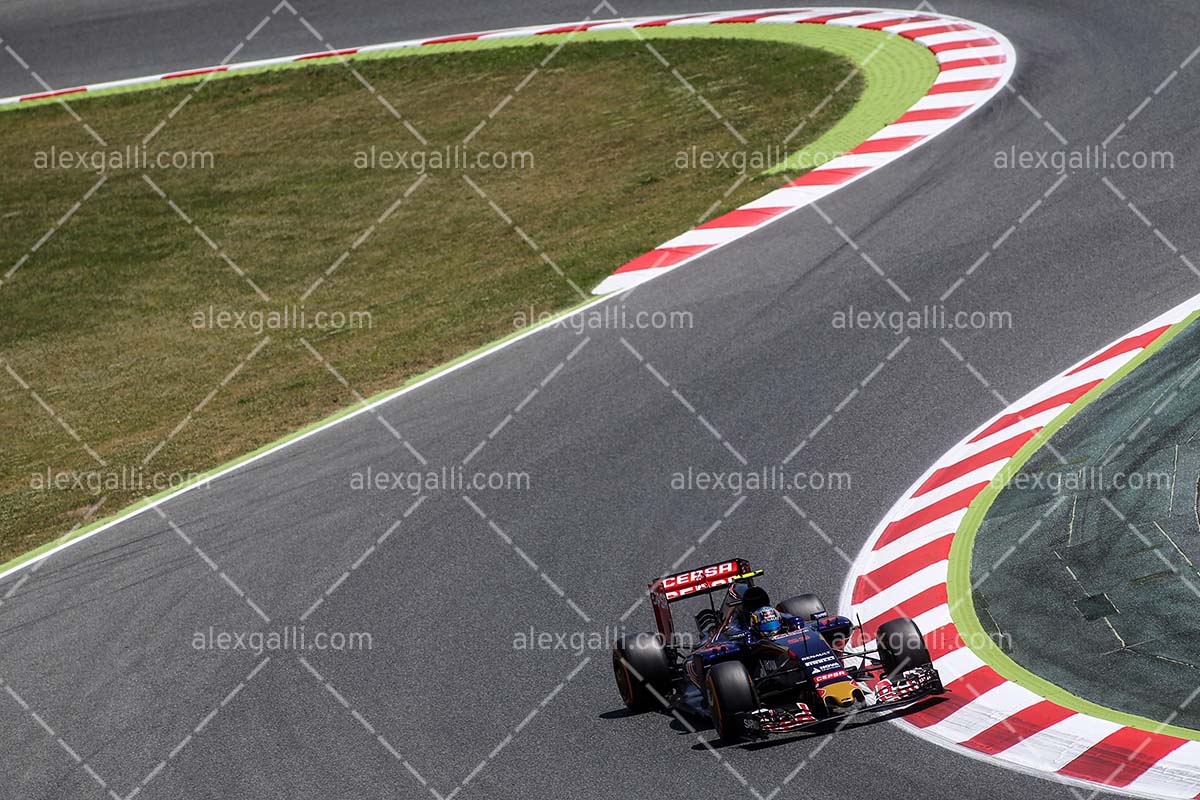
(901,647)
(730,692)
(640,664)
(805,606)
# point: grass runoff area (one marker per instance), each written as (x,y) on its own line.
(1098,597)
(152,323)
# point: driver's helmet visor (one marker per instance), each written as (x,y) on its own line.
(766,621)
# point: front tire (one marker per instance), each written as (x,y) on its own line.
(805,606)
(730,692)
(901,647)
(642,669)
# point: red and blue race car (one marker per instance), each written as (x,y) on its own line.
(758,669)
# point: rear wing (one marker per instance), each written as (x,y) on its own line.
(693,583)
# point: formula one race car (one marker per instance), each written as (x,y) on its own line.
(758,669)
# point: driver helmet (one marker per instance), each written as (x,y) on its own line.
(766,621)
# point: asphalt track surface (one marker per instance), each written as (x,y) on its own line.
(99,641)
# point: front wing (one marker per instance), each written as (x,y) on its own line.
(914,685)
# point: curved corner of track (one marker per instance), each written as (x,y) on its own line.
(974,63)
(903,570)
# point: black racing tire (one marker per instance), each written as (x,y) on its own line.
(730,692)
(901,646)
(805,606)
(640,664)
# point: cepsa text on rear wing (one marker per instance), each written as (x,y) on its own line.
(695,582)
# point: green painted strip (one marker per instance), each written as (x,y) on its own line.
(962,604)
(897,72)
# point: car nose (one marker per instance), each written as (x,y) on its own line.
(838,695)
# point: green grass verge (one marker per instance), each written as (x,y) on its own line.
(126,369)
(896,72)
(962,604)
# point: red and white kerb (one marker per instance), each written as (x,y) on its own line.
(975,62)
(902,571)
